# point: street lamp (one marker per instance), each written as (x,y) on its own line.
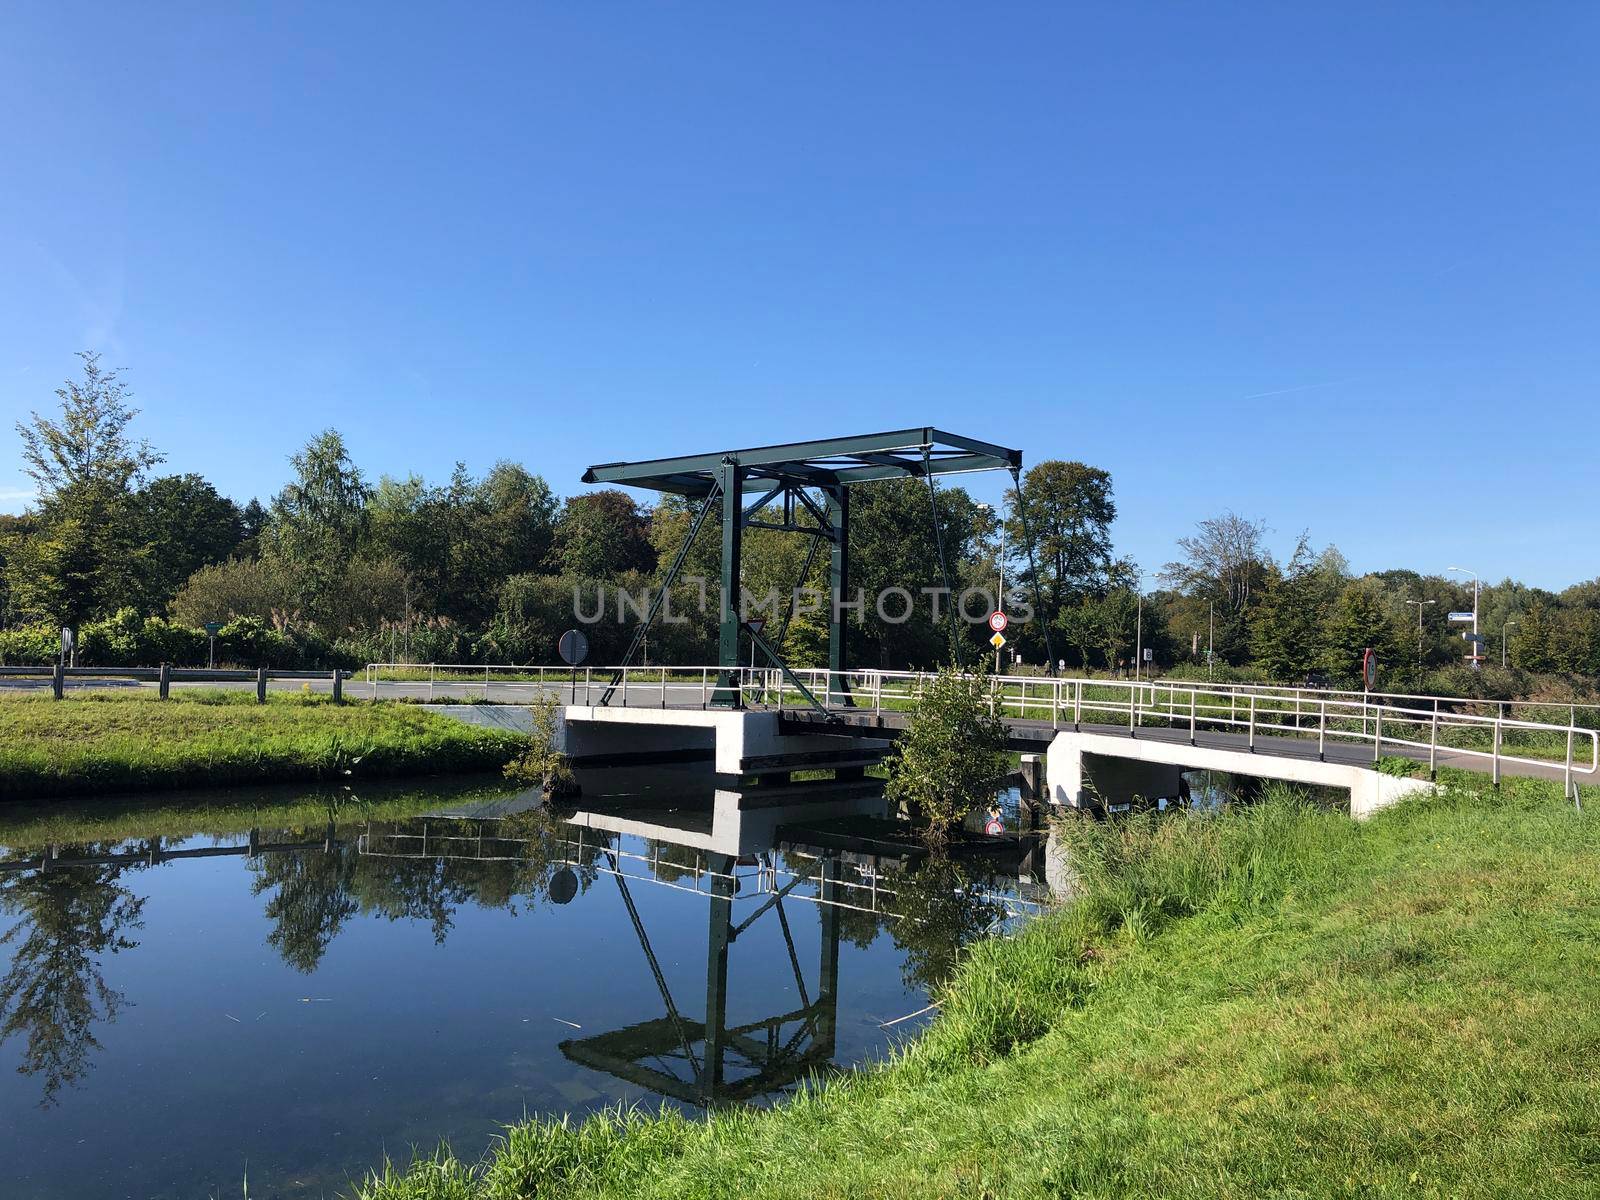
(1477,658)
(1503,629)
(1421,604)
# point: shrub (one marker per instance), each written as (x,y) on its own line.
(953,753)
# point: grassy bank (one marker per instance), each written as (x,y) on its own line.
(111,742)
(1274,1002)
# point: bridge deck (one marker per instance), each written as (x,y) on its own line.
(1031,734)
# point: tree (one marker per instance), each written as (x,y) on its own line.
(1224,563)
(952,755)
(1358,623)
(263,588)
(319,519)
(1533,645)
(1287,621)
(1069,512)
(87,556)
(601,535)
(187,525)
(893,545)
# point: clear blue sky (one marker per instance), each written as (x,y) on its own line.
(1336,269)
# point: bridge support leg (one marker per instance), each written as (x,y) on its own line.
(1031,794)
(731,479)
(721,867)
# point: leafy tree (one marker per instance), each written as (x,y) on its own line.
(319,519)
(263,588)
(1358,622)
(1287,621)
(187,525)
(87,556)
(953,753)
(892,545)
(1533,645)
(1069,512)
(602,534)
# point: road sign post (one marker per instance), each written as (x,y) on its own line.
(573,647)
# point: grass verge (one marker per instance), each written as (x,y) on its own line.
(108,742)
(1274,1001)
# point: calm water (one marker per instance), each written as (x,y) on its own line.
(361,975)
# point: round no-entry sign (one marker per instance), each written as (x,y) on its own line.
(997,620)
(573,647)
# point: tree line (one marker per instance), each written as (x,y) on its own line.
(339,568)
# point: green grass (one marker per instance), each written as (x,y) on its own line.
(110,742)
(1274,1002)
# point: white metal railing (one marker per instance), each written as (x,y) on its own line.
(1490,732)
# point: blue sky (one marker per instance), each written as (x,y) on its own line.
(1336,269)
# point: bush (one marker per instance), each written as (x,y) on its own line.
(952,755)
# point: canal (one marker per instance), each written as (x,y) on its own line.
(283,987)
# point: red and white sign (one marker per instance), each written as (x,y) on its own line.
(997,620)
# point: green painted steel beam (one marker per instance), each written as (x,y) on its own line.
(823,462)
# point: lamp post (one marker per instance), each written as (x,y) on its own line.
(1503,629)
(1477,658)
(1421,604)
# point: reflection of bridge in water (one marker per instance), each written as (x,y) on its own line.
(757,857)
(749,854)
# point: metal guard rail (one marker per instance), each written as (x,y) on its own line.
(1385,720)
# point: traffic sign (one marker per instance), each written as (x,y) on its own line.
(998,640)
(756,624)
(1473,637)
(213,627)
(997,620)
(1460,617)
(1149,654)
(573,647)
(1369,668)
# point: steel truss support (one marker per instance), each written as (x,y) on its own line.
(661,596)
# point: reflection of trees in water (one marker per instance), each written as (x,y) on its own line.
(315,892)
(942,911)
(932,909)
(53,992)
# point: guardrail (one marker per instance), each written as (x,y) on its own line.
(164,677)
(1493,733)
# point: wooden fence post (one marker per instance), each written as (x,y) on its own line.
(261,685)
(58,681)
(338,686)
(165,686)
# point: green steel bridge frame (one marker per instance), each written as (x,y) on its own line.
(744,483)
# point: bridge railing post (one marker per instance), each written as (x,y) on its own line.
(1377,731)
(1322,731)
(1133,708)
(1077,705)
(1566,786)
(1433,743)
(1193,694)
(1252,734)
(1496,762)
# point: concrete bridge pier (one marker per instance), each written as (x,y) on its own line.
(737,741)
(1085,769)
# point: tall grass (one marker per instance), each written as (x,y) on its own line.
(1270,1001)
